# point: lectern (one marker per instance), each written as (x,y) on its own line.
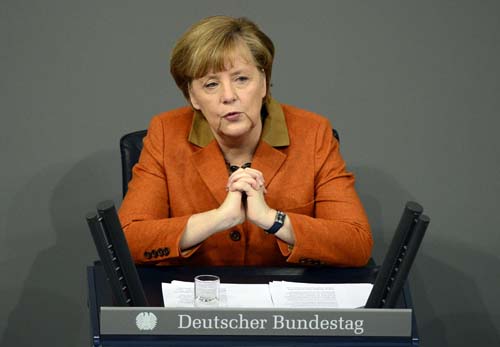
(100,298)
(125,302)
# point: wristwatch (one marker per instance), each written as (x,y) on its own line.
(279,220)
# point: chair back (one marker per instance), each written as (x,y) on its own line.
(130,150)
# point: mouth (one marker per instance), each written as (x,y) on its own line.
(232,115)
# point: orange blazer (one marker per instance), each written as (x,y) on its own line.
(306,179)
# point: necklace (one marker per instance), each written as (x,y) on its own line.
(233,168)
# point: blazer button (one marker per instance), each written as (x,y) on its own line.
(154,253)
(235,235)
(147,255)
(160,252)
(166,251)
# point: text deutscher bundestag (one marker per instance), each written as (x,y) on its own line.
(276,322)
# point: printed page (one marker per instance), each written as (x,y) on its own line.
(181,294)
(319,295)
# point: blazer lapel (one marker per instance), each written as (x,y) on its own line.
(267,160)
(212,169)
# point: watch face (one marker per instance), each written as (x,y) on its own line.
(280,217)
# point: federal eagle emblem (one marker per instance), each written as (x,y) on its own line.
(146,321)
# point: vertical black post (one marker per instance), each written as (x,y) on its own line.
(400,274)
(116,238)
(115,278)
(391,261)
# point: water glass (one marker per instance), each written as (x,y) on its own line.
(206,290)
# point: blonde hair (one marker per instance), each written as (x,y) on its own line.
(209,44)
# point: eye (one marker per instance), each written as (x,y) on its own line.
(211,85)
(242,79)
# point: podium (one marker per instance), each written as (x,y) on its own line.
(100,301)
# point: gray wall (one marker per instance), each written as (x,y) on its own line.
(413,88)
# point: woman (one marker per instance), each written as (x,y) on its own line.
(237,178)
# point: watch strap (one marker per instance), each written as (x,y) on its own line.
(279,220)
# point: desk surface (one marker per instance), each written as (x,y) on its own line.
(152,277)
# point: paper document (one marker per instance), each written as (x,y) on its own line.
(181,294)
(327,295)
(280,294)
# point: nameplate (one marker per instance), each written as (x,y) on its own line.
(237,321)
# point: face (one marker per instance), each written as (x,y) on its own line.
(231,100)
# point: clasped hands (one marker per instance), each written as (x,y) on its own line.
(236,208)
(244,201)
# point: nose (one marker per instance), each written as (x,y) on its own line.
(228,94)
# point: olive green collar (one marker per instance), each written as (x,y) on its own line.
(274,132)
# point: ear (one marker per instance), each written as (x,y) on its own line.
(193,99)
(264,84)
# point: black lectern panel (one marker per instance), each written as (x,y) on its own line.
(399,258)
(115,255)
